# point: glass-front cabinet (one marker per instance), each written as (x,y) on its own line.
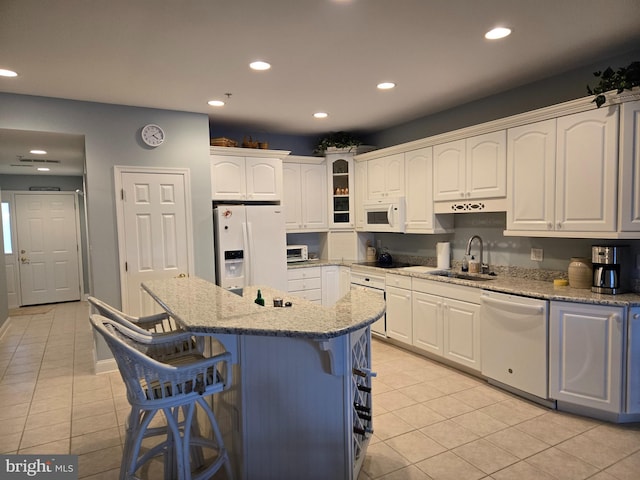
(340,176)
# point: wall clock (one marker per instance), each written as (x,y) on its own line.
(152,135)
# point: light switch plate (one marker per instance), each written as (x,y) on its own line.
(536,254)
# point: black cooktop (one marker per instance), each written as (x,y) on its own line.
(379,265)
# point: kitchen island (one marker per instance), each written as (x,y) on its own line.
(300,405)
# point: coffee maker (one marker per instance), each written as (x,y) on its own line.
(607,265)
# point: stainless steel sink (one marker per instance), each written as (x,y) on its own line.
(463,276)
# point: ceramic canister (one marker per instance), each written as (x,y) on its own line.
(580,272)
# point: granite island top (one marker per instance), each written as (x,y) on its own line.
(201,306)
(521,284)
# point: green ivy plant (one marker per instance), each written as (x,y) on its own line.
(338,140)
(624,78)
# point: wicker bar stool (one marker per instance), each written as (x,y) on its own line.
(155,386)
(157,323)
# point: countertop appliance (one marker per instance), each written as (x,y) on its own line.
(514,333)
(376,283)
(297,253)
(250,245)
(607,263)
(385,215)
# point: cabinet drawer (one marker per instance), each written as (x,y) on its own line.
(400,281)
(301,273)
(304,284)
(313,295)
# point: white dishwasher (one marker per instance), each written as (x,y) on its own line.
(514,332)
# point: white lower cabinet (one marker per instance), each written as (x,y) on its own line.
(305,283)
(586,355)
(399,318)
(633,361)
(331,286)
(446,321)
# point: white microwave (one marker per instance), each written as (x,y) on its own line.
(385,215)
(297,253)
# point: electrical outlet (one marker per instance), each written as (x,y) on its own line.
(536,254)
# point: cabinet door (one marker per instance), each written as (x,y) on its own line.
(449,171)
(376,185)
(292,196)
(427,322)
(264,179)
(461,321)
(313,180)
(586,171)
(341,191)
(629,202)
(399,324)
(531,159)
(418,166)
(360,194)
(228,180)
(330,285)
(633,360)
(585,355)
(486,165)
(394,175)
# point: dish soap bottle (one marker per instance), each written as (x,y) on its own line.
(259,300)
(465,264)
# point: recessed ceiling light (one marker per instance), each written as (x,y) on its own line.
(260,65)
(216,103)
(498,32)
(7,73)
(386,85)
(43,169)
(320,115)
(38,152)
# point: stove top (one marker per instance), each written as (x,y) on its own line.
(392,265)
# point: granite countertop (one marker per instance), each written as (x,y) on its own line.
(523,284)
(201,306)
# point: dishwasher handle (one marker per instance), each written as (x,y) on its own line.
(515,307)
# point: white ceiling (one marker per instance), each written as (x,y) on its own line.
(327,55)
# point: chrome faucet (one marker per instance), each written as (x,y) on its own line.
(483,267)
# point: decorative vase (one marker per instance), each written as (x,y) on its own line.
(580,272)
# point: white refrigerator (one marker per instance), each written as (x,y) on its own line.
(250,243)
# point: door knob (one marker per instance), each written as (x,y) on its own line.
(24,260)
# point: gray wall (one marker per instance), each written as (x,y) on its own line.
(111,138)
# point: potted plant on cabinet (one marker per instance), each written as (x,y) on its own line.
(335,141)
(624,78)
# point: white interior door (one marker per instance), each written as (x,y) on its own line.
(154,231)
(47,246)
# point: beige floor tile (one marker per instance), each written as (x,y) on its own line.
(95,441)
(89,409)
(626,469)
(449,434)
(422,392)
(381,459)
(389,425)
(521,471)
(396,379)
(625,438)
(59,447)
(42,435)
(419,416)
(9,443)
(448,407)
(51,417)
(485,456)
(449,466)
(479,423)
(393,400)
(513,411)
(547,431)
(452,383)
(408,473)
(48,404)
(95,423)
(517,442)
(108,475)
(99,462)
(561,465)
(415,446)
(596,453)
(480,396)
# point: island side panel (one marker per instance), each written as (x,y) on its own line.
(295,418)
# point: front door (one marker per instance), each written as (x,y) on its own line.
(154,231)
(47,241)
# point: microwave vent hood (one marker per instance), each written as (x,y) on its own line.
(471,206)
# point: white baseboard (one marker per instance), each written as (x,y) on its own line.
(106,366)
(5,327)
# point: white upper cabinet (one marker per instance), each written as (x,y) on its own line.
(586,171)
(305,196)
(360,186)
(629,198)
(531,164)
(385,176)
(420,216)
(470,169)
(340,176)
(252,178)
(563,174)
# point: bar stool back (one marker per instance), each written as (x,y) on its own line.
(154,386)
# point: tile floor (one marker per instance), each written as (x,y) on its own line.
(431,422)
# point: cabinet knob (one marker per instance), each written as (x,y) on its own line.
(549,226)
(636,316)
(559,225)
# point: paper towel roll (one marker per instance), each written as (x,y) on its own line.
(443,253)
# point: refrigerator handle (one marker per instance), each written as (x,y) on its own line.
(246,234)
